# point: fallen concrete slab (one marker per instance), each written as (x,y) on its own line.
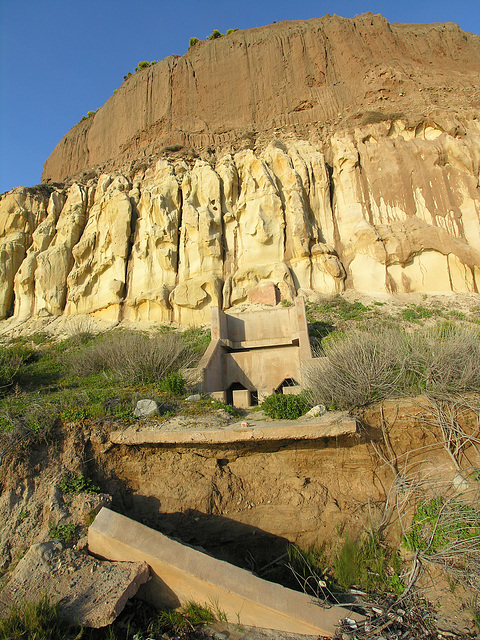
(181,573)
(89,592)
(330,425)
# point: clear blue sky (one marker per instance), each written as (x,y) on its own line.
(62,58)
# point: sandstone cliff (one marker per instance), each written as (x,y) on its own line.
(317,156)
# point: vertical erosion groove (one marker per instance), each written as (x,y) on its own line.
(179,233)
(131,241)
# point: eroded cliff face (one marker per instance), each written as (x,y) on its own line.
(306,78)
(317,156)
(384,208)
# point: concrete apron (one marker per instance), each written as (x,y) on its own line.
(332,425)
(180,573)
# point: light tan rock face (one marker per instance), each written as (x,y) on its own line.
(96,283)
(383,209)
(21,212)
(317,157)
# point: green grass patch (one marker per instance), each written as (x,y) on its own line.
(439,524)
(38,620)
(285,407)
(191,615)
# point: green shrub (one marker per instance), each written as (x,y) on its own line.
(285,407)
(173,384)
(229,31)
(192,42)
(90,114)
(11,364)
(27,414)
(215,34)
(36,621)
(70,483)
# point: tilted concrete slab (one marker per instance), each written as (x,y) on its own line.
(180,573)
(330,425)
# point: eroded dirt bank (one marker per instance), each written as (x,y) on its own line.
(242,503)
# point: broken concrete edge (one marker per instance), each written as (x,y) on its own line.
(181,573)
(333,427)
(92,595)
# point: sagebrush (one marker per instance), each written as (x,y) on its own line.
(361,366)
(131,356)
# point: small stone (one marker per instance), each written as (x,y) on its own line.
(145,408)
(316,411)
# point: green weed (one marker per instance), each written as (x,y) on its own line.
(65,532)
(285,407)
(76,484)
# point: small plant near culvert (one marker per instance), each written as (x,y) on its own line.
(77,483)
(173,384)
(285,407)
(39,620)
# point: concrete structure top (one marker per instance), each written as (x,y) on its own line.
(331,425)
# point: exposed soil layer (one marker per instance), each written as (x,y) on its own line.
(241,503)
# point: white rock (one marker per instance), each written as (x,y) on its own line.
(316,411)
(145,408)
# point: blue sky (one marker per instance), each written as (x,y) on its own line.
(62,58)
